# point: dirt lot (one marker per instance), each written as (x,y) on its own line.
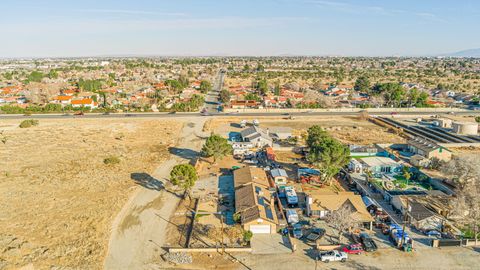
(58,198)
(347,129)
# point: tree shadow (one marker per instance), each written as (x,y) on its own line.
(356,265)
(311,253)
(147,181)
(184,153)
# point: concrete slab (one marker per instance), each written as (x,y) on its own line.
(270,244)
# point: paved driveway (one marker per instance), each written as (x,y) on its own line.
(270,244)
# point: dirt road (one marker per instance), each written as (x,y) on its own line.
(138,232)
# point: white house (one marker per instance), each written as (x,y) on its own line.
(257,136)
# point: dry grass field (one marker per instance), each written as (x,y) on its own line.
(347,129)
(57,196)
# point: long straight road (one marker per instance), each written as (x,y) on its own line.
(234,114)
(212,98)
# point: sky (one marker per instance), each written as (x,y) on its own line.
(61,28)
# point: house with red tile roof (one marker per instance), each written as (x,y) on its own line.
(69,92)
(86,102)
(65,100)
(244,104)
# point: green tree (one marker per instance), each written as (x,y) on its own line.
(217,147)
(90,85)
(362,84)
(174,85)
(247,236)
(326,153)
(276,89)
(205,86)
(406,174)
(262,86)
(225,96)
(35,76)
(184,176)
(53,74)
(393,93)
(251,96)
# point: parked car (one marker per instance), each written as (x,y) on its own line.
(297,230)
(353,249)
(367,242)
(433,233)
(333,256)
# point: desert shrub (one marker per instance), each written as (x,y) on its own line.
(247,236)
(111,160)
(28,123)
(237,217)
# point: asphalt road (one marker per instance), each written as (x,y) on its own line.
(212,98)
(180,115)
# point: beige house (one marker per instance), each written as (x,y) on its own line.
(253,201)
(247,175)
(428,149)
(322,202)
(255,204)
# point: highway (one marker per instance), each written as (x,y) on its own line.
(219,114)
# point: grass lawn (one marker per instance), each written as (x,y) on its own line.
(400,179)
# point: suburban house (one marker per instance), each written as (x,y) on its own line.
(257,136)
(428,149)
(253,200)
(279,176)
(255,205)
(320,203)
(64,100)
(375,165)
(86,102)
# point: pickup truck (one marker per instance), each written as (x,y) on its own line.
(332,256)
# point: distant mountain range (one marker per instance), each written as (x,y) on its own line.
(465,53)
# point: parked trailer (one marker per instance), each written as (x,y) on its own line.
(291,195)
(292,216)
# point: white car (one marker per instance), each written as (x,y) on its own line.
(332,256)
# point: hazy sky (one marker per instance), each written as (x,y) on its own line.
(237,27)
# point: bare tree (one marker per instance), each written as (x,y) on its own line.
(465,173)
(342,220)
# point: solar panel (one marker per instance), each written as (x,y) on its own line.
(269,213)
(261,201)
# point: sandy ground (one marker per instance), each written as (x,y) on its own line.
(139,231)
(57,197)
(443,259)
(348,129)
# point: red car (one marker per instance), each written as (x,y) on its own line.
(353,249)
